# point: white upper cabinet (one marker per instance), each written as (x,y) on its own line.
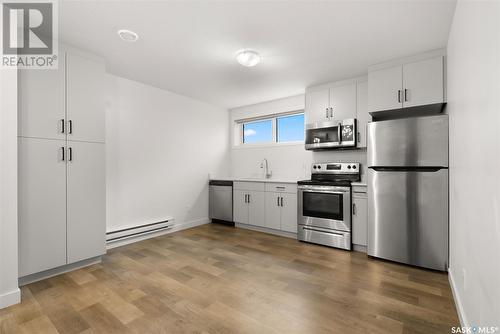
(410,83)
(362,114)
(335,101)
(423,82)
(85,99)
(343,101)
(384,89)
(41,103)
(318,105)
(67,103)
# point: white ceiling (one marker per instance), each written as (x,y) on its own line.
(189,47)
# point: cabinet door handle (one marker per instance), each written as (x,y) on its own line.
(70,157)
(327,114)
(248,198)
(277,201)
(331,112)
(281,201)
(399,95)
(62,153)
(359,137)
(353,208)
(62,125)
(406,95)
(70,130)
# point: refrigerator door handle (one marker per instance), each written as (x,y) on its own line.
(408,169)
(339,132)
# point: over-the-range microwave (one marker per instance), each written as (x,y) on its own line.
(331,134)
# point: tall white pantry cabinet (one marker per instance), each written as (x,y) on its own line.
(62,191)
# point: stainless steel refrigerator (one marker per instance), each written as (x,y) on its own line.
(408,191)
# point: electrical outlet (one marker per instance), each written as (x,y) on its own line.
(463,279)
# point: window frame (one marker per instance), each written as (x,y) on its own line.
(273,130)
(239,123)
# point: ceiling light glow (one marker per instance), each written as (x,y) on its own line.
(128,35)
(248,58)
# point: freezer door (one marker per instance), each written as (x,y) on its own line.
(408,217)
(418,141)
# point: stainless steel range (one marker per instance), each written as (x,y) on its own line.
(324,204)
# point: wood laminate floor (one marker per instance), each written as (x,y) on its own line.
(218,279)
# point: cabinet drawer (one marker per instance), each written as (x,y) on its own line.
(282,187)
(359,190)
(242,185)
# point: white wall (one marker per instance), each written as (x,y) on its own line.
(9,291)
(160,147)
(285,161)
(474,109)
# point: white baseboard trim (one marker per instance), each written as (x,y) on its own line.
(175,227)
(267,230)
(458,302)
(10,298)
(58,271)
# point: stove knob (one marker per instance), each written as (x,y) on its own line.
(319,166)
(354,166)
(348,166)
(314,166)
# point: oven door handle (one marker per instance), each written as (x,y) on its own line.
(325,190)
(321,230)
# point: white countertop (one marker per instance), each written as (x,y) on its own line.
(255,179)
(271,180)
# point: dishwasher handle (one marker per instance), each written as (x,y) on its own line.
(220,183)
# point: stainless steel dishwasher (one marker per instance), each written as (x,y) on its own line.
(220,200)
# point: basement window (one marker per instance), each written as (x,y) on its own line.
(258,131)
(280,128)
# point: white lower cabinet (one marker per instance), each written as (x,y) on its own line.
(42,205)
(62,204)
(240,206)
(281,211)
(86,201)
(273,210)
(289,213)
(248,207)
(269,205)
(359,217)
(256,208)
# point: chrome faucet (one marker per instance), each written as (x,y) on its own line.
(266,164)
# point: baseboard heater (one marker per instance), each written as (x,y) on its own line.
(137,231)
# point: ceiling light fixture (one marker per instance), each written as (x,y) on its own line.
(128,35)
(248,58)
